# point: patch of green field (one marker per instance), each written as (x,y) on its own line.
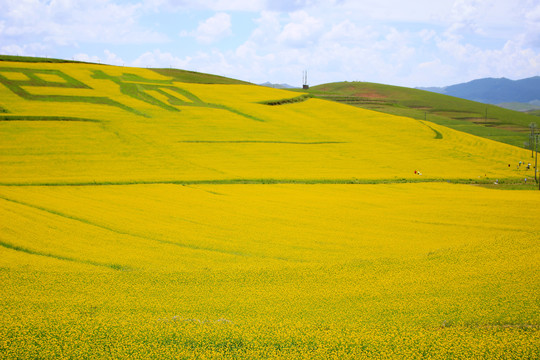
(529,185)
(489,121)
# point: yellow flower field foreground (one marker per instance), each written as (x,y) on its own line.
(271,271)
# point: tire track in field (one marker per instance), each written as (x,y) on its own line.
(127,233)
(45,118)
(18,248)
(438,135)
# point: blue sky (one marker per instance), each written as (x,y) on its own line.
(408,43)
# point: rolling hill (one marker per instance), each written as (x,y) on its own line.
(161,213)
(488,121)
(97,124)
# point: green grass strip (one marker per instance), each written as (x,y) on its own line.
(234,111)
(438,135)
(44,118)
(60,257)
(34,59)
(488,182)
(293,100)
(260,142)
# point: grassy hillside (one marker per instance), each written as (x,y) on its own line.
(150,214)
(488,121)
(197,77)
(13,58)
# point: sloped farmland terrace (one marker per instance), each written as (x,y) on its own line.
(145,217)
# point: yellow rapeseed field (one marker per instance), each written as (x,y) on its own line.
(144,218)
(223,133)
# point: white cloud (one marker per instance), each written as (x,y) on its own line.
(427,35)
(301,31)
(25,49)
(348,32)
(268,29)
(108,58)
(284,6)
(514,60)
(465,17)
(214,28)
(13,50)
(68,22)
(289,5)
(421,11)
(432,73)
(347,47)
(212,5)
(86,58)
(532,34)
(158,59)
(391,41)
(533,15)
(112,59)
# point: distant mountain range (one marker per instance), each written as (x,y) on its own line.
(495,91)
(278,86)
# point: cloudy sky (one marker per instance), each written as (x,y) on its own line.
(409,43)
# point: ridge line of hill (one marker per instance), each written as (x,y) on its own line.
(177,74)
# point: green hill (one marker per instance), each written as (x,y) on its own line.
(34,59)
(197,77)
(489,121)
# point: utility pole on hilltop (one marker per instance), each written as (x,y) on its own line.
(304,80)
(532,137)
